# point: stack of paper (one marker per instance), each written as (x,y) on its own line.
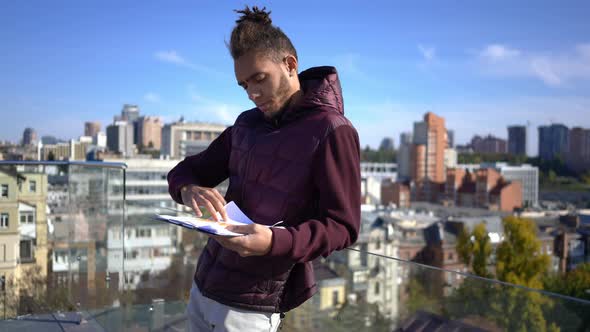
(235,217)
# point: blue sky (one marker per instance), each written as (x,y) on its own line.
(481,66)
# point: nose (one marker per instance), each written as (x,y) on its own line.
(254,94)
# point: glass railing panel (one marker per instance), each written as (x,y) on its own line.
(381,293)
(56,239)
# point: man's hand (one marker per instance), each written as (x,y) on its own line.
(256,241)
(194,197)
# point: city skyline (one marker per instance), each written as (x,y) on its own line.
(481,68)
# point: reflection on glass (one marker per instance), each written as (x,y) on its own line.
(80,239)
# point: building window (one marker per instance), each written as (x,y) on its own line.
(33,186)
(4,190)
(450,257)
(27,217)
(144,232)
(26,250)
(377,285)
(3,220)
(335,298)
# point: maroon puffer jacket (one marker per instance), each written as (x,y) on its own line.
(303,169)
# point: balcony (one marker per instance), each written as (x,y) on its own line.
(103,264)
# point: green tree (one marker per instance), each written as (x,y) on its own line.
(519,260)
(475,249)
(575,283)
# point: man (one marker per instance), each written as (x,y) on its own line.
(294,158)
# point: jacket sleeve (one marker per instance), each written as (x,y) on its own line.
(208,168)
(336,176)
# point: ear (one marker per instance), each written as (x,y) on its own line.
(291,64)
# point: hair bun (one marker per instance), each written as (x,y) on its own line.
(254,15)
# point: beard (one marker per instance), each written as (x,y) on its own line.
(283,96)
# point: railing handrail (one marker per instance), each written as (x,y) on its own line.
(64,162)
(469,275)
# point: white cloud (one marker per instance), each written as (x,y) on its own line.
(152,97)
(214,109)
(172,57)
(498,52)
(176,58)
(469,117)
(553,69)
(428,52)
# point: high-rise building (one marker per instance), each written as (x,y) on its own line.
(181,139)
(72,150)
(428,156)
(29,136)
(451,138)
(130,113)
(553,141)
(387,144)
(488,144)
(100,139)
(578,156)
(149,131)
(120,138)
(91,128)
(517,140)
(404,156)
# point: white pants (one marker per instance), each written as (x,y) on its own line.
(204,314)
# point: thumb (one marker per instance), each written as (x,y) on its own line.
(242,229)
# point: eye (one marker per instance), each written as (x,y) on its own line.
(259,78)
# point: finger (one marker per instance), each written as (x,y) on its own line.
(195,207)
(218,204)
(202,200)
(223,202)
(221,198)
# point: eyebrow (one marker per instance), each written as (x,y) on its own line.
(241,83)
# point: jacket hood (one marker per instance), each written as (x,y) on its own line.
(321,92)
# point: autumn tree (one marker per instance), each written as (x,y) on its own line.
(519,259)
(475,249)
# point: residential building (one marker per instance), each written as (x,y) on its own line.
(174,135)
(450,138)
(149,132)
(120,138)
(330,298)
(517,140)
(149,247)
(397,193)
(91,128)
(578,156)
(23,230)
(404,156)
(526,174)
(553,141)
(488,144)
(428,156)
(485,188)
(29,136)
(72,150)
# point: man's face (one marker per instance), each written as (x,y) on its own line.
(266,82)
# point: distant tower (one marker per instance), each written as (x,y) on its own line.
(91,128)
(29,136)
(517,140)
